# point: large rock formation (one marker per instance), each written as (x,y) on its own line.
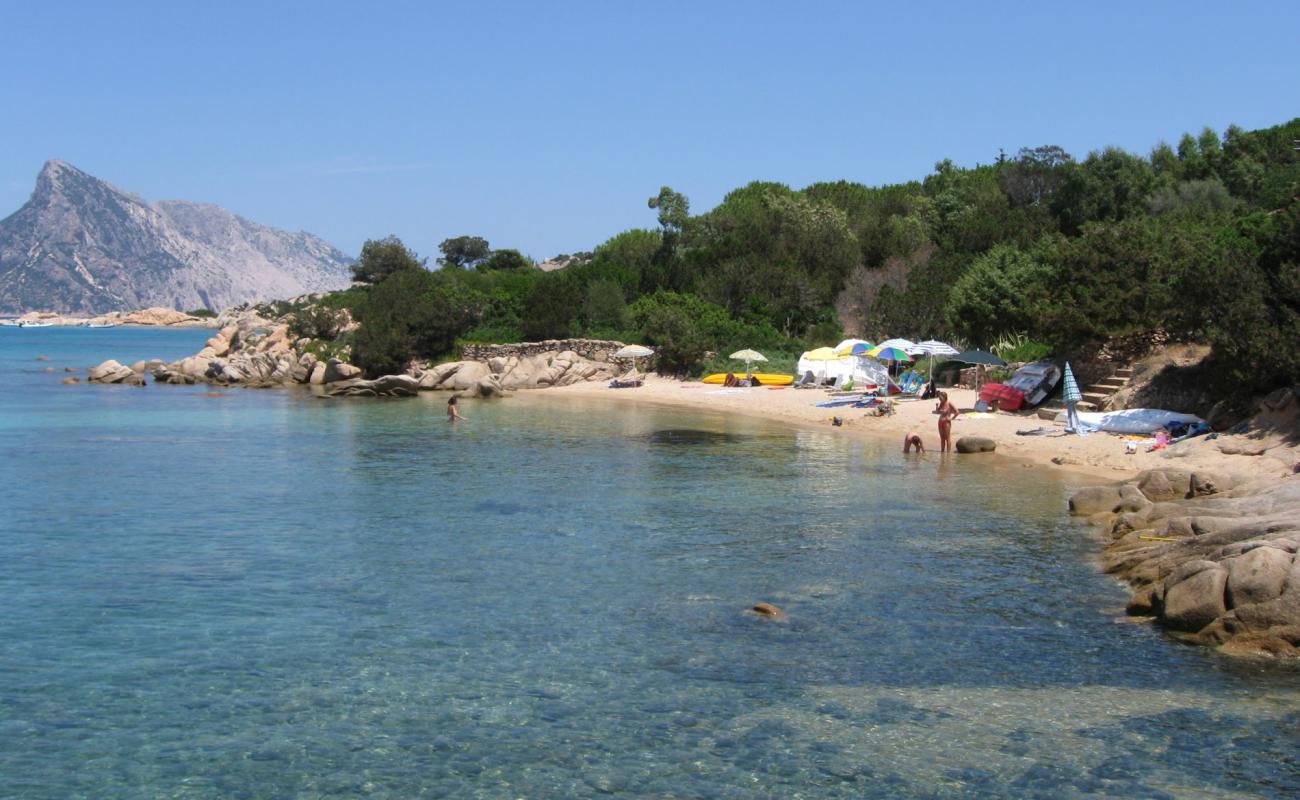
(81,245)
(1213,562)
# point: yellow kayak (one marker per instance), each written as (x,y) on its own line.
(763,378)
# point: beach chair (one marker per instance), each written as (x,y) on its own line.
(631,380)
(808,381)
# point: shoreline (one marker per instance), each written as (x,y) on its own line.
(1099,457)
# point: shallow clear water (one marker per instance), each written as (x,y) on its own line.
(266,594)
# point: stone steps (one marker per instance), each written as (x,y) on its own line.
(1095,395)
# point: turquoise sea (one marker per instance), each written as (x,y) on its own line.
(262,594)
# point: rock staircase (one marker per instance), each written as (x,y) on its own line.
(1095,396)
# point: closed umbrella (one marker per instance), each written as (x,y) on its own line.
(1071,395)
(749,357)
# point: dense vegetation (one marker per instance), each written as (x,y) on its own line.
(1201,241)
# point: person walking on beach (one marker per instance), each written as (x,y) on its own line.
(453,413)
(913,440)
(947,413)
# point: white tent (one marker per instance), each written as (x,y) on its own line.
(860,369)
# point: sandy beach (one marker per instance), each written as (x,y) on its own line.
(1100,456)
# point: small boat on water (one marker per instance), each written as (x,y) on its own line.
(36,324)
(101,324)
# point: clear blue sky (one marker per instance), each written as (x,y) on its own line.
(545,126)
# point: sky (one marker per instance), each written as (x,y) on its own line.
(546,126)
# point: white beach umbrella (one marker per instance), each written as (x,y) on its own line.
(749,357)
(932,348)
(633,351)
(901,344)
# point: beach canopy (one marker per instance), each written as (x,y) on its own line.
(633,351)
(749,357)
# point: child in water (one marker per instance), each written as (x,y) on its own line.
(913,440)
(453,413)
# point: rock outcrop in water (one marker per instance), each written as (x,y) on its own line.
(84,246)
(1212,559)
(253,352)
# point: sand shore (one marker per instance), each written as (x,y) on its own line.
(1100,456)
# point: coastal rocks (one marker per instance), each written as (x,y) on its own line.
(1209,558)
(386,386)
(976,444)
(110,372)
(336,370)
(505,373)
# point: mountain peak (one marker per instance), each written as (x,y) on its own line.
(81,244)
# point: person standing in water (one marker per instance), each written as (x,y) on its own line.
(947,413)
(453,413)
(913,440)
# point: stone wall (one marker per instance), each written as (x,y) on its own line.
(593,349)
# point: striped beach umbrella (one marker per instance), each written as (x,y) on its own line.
(932,348)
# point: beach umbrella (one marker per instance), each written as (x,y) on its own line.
(633,351)
(932,348)
(901,344)
(979,358)
(749,357)
(1071,395)
(849,346)
(821,354)
(888,353)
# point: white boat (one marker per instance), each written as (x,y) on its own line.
(101,324)
(10,323)
(36,324)
(1036,380)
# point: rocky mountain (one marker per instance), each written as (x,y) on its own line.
(81,245)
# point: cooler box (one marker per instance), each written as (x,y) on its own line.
(1008,398)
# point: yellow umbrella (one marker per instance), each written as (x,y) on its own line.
(821,354)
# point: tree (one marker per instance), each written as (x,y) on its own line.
(381,258)
(504,259)
(463,252)
(550,307)
(412,314)
(674,209)
(1034,176)
(999,293)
